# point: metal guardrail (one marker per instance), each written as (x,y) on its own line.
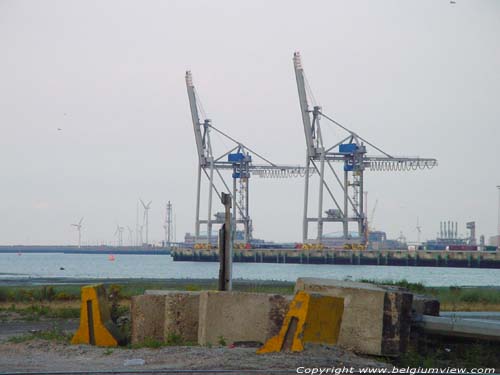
(456,326)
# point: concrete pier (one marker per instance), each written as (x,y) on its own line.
(466,259)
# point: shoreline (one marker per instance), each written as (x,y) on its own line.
(39,281)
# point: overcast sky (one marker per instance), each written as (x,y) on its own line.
(414,77)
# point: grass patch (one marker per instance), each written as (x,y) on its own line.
(172,340)
(453,298)
(38,311)
(54,334)
(440,352)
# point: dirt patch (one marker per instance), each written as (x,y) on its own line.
(43,355)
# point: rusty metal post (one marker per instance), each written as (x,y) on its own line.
(226,247)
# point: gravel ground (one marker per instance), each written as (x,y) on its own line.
(41,355)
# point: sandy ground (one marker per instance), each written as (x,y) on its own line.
(40,355)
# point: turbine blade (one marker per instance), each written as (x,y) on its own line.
(143,204)
(80,222)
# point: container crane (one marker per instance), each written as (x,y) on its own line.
(239,160)
(351,151)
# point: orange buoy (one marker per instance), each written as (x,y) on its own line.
(111,257)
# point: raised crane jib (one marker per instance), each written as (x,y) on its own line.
(200,144)
(304,108)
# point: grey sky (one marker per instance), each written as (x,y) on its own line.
(414,77)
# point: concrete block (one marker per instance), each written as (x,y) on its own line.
(240,317)
(425,305)
(376,319)
(147,318)
(181,314)
(311,318)
(160,315)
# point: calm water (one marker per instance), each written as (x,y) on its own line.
(161,266)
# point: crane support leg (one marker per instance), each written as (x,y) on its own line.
(346,205)
(305,224)
(198,191)
(320,200)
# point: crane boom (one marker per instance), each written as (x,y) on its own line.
(195,118)
(304,108)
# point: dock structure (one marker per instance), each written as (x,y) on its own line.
(465,259)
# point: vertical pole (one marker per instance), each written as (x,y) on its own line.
(234,207)
(225,246)
(137,224)
(320,201)
(361,219)
(248,235)
(147,226)
(210,190)
(197,222)
(346,206)
(305,223)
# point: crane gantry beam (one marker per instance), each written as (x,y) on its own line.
(352,152)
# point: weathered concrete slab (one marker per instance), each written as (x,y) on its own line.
(311,318)
(165,316)
(181,314)
(240,317)
(147,318)
(376,319)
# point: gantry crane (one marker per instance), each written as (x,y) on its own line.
(237,159)
(351,151)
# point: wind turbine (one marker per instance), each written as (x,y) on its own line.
(79,229)
(119,232)
(419,230)
(145,219)
(130,236)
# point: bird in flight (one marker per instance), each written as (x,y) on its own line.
(59,129)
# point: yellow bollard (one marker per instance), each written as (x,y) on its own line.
(312,318)
(96,326)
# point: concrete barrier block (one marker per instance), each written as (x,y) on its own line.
(376,319)
(311,318)
(147,318)
(165,315)
(240,317)
(181,314)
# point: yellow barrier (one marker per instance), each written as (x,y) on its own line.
(95,321)
(311,318)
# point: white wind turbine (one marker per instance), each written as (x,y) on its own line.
(145,219)
(119,232)
(79,229)
(130,236)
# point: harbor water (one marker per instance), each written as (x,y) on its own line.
(82,266)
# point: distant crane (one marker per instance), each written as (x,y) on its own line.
(167,226)
(372,215)
(419,231)
(145,219)
(352,153)
(79,229)
(119,234)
